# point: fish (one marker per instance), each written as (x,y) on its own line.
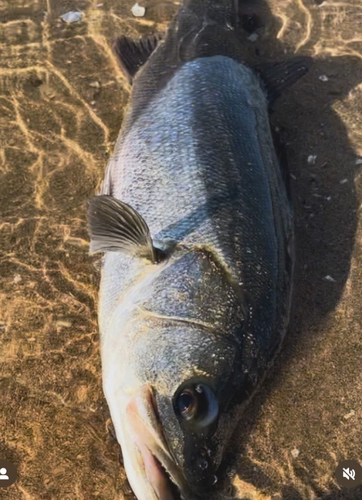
(196,227)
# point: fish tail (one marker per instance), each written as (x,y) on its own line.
(219,11)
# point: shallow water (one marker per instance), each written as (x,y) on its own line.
(62,97)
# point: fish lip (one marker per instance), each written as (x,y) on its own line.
(153,448)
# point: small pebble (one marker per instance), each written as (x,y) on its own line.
(329,278)
(203,464)
(359,161)
(72,16)
(253,37)
(312,159)
(231,472)
(324,78)
(95,85)
(138,11)
(295,453)
(343,181)
(17,278)
(65,324)
(349,415)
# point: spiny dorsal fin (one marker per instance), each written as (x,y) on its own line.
(279,76)
(115,226)
(132,54)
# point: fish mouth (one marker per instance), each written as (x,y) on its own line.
(163,474)
(161,480)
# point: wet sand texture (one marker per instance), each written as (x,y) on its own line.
(62,97)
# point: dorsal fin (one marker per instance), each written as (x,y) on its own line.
(132,54)
(281,75)
(115,226)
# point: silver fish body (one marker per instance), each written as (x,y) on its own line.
(186,338)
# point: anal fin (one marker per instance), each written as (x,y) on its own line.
(277,77)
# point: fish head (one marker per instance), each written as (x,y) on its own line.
(173,359)
(174,409)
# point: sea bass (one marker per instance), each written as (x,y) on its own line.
(196,226)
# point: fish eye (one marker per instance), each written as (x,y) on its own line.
(197,403)
(187,404)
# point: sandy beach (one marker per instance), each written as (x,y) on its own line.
(62,99)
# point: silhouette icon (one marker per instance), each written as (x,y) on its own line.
(349,473)
(3,472)
(8,474)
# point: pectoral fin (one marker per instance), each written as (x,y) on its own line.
(132,54)
(116,227)
(277,77)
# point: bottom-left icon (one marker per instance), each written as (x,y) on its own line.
(8,473)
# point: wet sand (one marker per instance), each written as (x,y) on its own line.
(62,98)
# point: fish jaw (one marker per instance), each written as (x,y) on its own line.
(151,470)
